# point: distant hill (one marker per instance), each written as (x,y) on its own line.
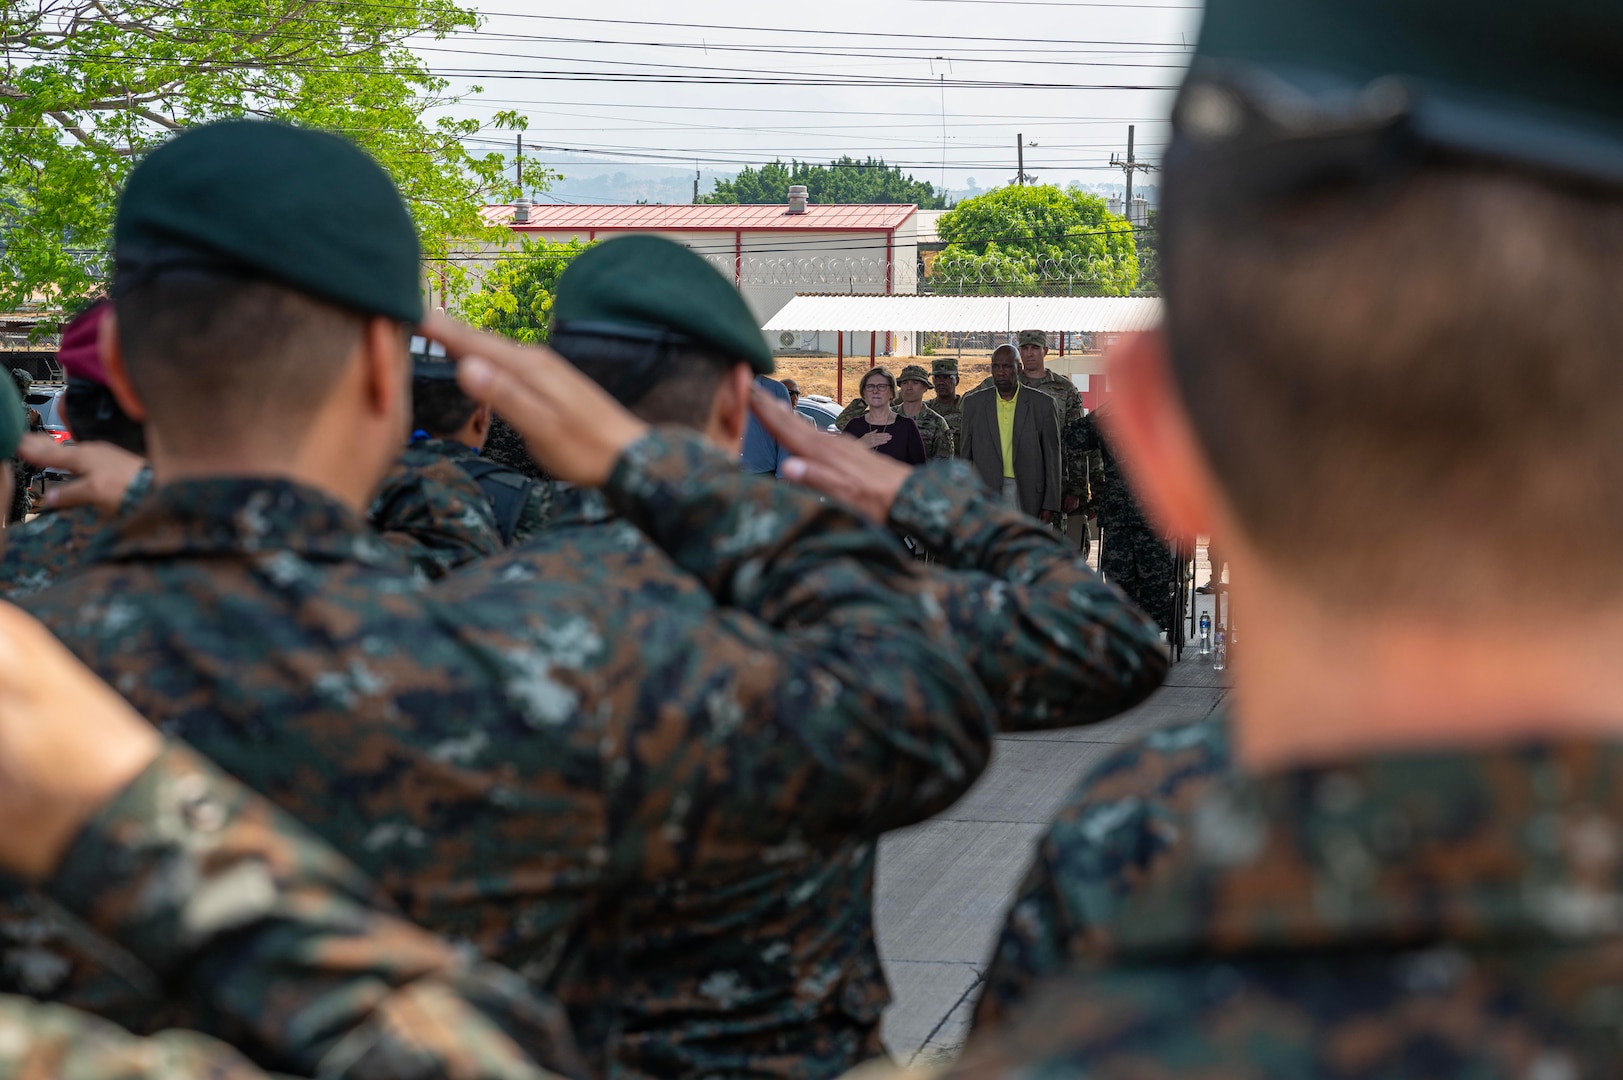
(589,181)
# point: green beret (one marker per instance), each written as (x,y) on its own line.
(914,372)
(1305,85)
(259,199)
(1033,337)
(648,283)
(13,420)
(944,366)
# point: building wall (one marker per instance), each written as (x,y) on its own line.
(773,266)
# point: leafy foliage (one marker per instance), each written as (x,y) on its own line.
(1036,236)
(89,85)
(516,300)
(840,182)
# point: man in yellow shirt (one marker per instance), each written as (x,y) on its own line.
(1012,439)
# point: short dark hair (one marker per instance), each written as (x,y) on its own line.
(439,407)
(1411,396)
(682,392)
(883,373)
(94,415)
(211,356)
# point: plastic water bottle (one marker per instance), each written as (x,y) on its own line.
(1205,634)
(1220,654)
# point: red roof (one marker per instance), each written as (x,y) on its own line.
(551,217)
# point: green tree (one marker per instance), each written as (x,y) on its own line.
(1035,237)
(88,85)
(516,298)
(840,182)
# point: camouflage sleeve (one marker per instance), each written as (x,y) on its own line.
(1075,460)
(828,683)
(536,513)
(941,446)
(38,1040)
(277,945)
(853,409)
(435,516)
(1053,645)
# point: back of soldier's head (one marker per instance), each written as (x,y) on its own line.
(248,258)
(1392,237)
(655,325)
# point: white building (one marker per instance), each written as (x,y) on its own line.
(770,252)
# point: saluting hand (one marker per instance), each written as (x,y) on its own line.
(102,472)
(843,469)
(571,425)
(68,744)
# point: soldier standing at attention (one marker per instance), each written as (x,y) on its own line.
(731,958)
(947,403)
(1133,554)
(1391,252)
(911,385)
(446,422)
(733,671)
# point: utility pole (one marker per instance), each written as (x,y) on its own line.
(519,165)
(1020,160)
(695,185)
(1130,165)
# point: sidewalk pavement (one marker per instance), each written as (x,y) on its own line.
(943,885)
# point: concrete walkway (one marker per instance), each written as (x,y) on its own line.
(943,885)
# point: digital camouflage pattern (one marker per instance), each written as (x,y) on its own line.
(432,513)
(1112,837)
(509,758)
(241,925)
(34,555)
(38,1040)
(537,496)
(954,416)
(1446,913)
(754,954)
(1134,556)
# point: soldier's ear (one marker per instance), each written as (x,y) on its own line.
(1154,439)
(112,365)
(729,412)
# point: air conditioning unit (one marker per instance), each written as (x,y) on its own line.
(786,340)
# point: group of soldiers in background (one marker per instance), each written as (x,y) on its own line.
(1133,554)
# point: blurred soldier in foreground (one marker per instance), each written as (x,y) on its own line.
(37,553)
(445,421)
(1391,254)
(229,917)
(741,940)
(764,678)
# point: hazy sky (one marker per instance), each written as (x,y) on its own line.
(1091,69)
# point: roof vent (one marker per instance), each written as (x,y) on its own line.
(521,210)
(797,199)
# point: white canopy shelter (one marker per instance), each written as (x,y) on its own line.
(967,314)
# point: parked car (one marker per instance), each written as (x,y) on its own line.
(46,399)
(820,410)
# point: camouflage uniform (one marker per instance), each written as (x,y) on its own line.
(743,964)
(432,513)
(953,415)
(1442,913)
(508,760)
(533,510)
(1108,842)
(250,930)
(36,554)
(1134,557)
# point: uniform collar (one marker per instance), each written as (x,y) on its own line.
(1523,842)
(444,447)
(241,516)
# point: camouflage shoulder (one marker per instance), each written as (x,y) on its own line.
(43,1040)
